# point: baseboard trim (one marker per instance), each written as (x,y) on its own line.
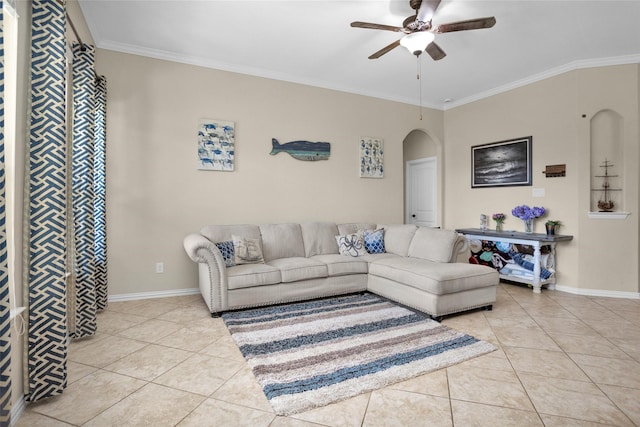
(17,408)
(598,292)
(196,291)
(154,294)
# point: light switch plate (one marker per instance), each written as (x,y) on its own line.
(537,192)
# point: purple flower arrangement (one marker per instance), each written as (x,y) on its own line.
(524,212)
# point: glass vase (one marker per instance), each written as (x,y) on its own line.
(528,225)
(498,226)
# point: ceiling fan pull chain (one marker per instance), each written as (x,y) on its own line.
(418,76)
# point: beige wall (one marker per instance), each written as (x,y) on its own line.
(155,194)
(604,253)
(610,242)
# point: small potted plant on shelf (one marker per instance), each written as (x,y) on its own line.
(552,226)
(499,219)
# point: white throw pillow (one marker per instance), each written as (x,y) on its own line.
(351,245)
(246,250)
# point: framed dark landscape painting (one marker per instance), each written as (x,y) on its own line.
(501,164)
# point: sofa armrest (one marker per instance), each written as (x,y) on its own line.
(460,247)
(212,271)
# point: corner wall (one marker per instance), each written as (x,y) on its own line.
(603,255)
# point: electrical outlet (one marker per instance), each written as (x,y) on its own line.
(159,267)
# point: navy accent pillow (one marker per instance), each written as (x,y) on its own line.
(228,254)
(374,241)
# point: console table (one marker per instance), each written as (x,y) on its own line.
(535,240)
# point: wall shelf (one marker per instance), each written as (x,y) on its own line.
(609,215)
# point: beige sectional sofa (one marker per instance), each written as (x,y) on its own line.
(276,263)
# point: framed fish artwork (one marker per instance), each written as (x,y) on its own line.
(302,150)
(371,157)
(216,145)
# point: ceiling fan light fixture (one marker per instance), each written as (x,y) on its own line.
(417,42)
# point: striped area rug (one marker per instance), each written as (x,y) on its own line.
(310,354)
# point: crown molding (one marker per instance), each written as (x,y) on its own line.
(571,66)
(274,75)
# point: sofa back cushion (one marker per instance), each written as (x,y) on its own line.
(397,237)
(433,244)
(319,238)
(354,227)
(224,233)
(281,241)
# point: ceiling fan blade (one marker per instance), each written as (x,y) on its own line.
(427,10)
(385,49)
(435,51)
(372,26)
(471,24)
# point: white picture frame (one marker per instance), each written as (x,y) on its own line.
(216,145)
(371,157)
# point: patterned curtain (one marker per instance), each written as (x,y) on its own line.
(5,308)
(82,200)
(99,192)
(46,354)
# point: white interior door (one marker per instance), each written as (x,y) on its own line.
(422,192)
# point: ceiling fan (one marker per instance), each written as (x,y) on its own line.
(419,31)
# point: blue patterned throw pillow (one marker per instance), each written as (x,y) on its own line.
(228,255)
(374,241)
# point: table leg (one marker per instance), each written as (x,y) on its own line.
(536,268)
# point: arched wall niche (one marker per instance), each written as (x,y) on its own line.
(421,144)
(607,144)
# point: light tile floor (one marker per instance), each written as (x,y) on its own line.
(562,360)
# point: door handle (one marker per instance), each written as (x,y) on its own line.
(413,216)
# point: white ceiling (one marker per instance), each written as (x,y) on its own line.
(311,42)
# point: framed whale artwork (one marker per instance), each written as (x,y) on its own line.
(216,145)
(371,157)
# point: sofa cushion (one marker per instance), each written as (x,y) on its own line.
(249,275)
(397,238)
(351,245)
(246,250)
(434,277)
(354,227)
(339,265)
(433,244)
(319,238)
(281,241)
(373,257)
(374,241)
(224,233)
(299,268)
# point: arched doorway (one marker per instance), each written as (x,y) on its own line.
(422,156)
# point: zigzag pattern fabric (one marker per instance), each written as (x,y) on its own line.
(99,192)
(5,312)
(82,190)
(47,333)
